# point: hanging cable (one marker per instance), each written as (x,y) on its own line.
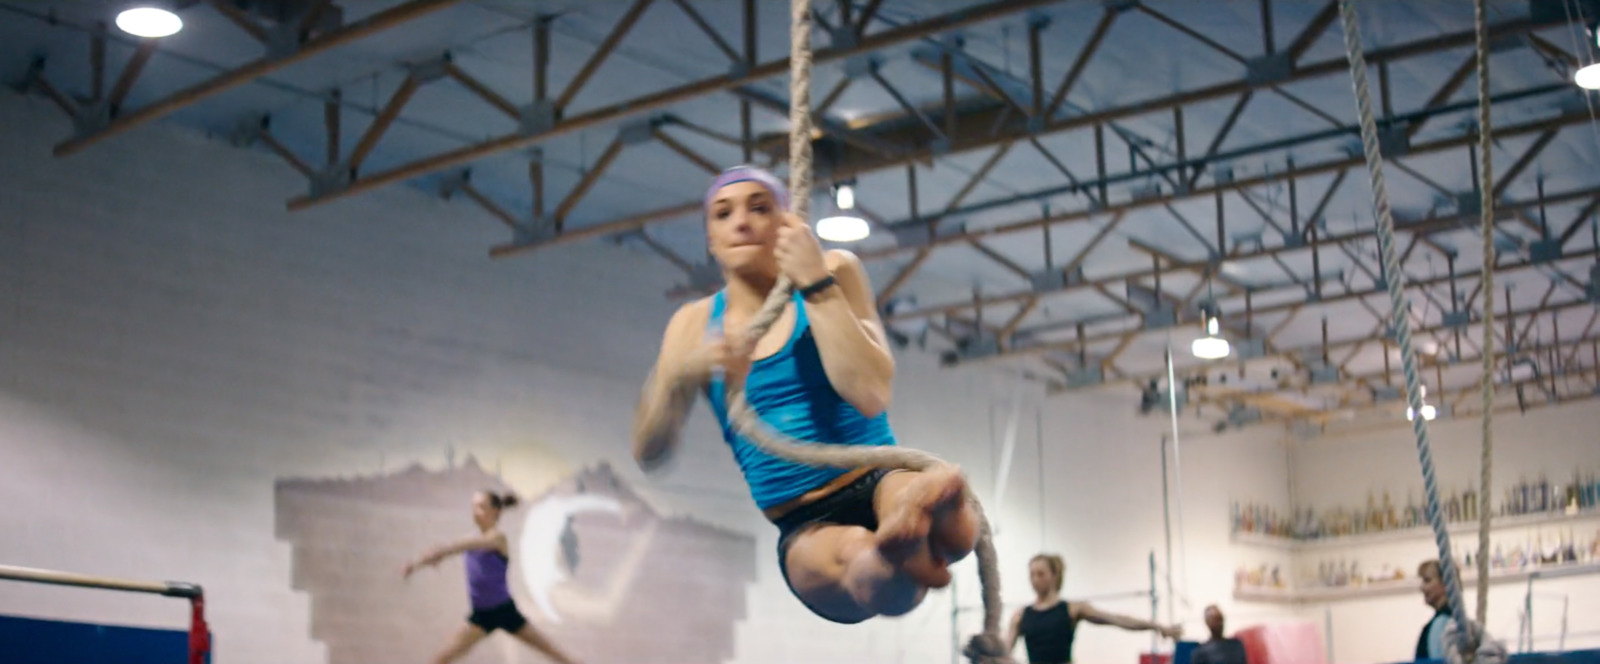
(1172,398)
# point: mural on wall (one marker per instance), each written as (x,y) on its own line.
(592,566)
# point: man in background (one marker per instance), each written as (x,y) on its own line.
(1220,649)
(1442,628)
(1430,643)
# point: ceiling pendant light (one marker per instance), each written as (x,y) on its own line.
(1428,411)
(843,227)
(1211,346)
(844,196)
(1588,77)
(150,20)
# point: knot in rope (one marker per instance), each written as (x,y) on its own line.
(986,649)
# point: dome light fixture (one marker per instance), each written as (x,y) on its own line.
(1211,346)
(1428,411)
(844,196)
(149,20)
(843,229)
(1588,77)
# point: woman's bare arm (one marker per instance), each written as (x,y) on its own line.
(850,337)
(493,539)
(670,389)
(1013,632)
(1088,613)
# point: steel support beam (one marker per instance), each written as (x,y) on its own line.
(889,289)
(1264,252)
(382,121)
(666,253)
(477,87)
(130,73)
(278,148)
(589,178)
(1091,186)
(1313,31)
(240,19)
(460,183)
(710,32)
(1447,90)
(1100,29)
(856,163)
(1584,218)
(1303,351)
(97,62)
(661,99)
(332,123)
(1499,354)
(602,52)
(37,80)
(685,152)
(1192,33)
(1568,119)
(1504,182)
(256,69)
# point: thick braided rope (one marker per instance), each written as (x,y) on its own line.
(985,648)
(800,107)
(1486,202)
(1402,325)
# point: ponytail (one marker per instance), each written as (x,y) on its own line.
(501,501)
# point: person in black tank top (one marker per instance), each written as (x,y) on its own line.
(1050,624)
(1048,632)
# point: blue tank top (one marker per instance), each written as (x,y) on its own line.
(791,392)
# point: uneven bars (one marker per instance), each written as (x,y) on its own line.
(52,577)
(1131,594)
(199,633)
(1155,600)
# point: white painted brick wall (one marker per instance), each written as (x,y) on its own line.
(171,341)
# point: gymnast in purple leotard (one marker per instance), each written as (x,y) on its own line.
(488,556)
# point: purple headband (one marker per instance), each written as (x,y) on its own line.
(749,174)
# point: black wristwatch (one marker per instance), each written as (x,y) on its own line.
(821,285)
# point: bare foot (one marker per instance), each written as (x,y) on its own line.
(927,568)
(955,531)
(911,512)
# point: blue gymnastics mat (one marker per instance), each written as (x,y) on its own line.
(37,641)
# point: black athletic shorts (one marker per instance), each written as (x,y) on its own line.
(851,505)
(501,616)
